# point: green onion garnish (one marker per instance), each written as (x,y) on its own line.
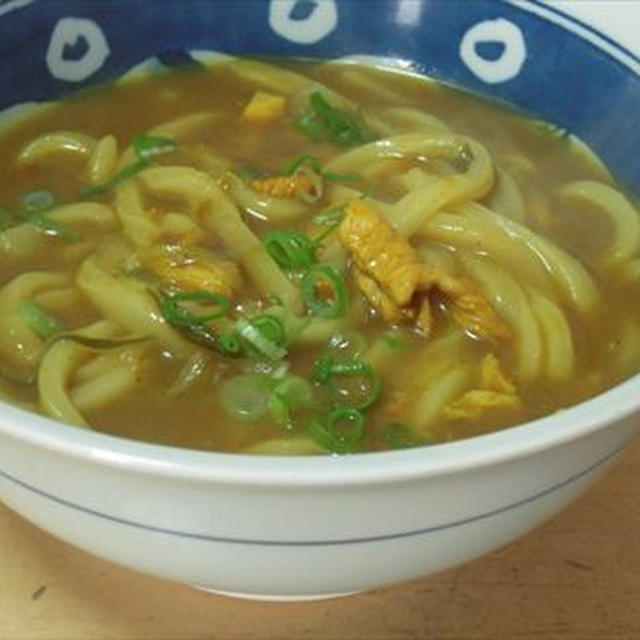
(38,320)
(341,431)
(332,220)
(146,148)
(351,383)
(327,306)
(322,121)
(346,345)
(32,208)
(323,369)
(252,396)
(342,178)
(122,176)
(229,344)
(259,341)
(306,160)
(290,168)
(290,249)
(263,335)
(291,393)
(247,396)
(177,315)
(331,217)
(270,327)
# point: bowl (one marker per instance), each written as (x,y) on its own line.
(301,528)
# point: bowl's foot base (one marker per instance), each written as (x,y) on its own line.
(276,598)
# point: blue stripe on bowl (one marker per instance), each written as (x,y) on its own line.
(551,10)
(314,543)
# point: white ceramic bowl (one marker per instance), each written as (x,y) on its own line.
(302,528)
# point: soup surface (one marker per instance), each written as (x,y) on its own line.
(307,258)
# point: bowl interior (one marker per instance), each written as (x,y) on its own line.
(526,55)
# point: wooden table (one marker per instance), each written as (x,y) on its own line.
(576,577)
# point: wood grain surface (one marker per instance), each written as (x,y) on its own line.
(576,577)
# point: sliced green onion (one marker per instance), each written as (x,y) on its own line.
(123,175)
(33,206)
(290,249)
(291,393)
(229,345)
(290,168)
(342,178)
(178,315)
(193,327)
(352,383)
(226,344)
(341,431)
(263,334)
(38,320)
(247,396)
(311,126)
(271,327)
(259,341)
(347,345)
(324,122)
(323,369)
(332,222)
(332,306)
(312,164)
(350,367)
(331,217)
(147,147)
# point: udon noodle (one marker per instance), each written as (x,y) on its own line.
(307,258)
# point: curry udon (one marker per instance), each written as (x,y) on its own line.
(307,258)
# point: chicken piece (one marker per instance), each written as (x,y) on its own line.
(391,312)
(196,270)
(493,378)
(264,107)
(380,252)
(383,256)
(295,186)
(475,403)
(496,392)
(469,308)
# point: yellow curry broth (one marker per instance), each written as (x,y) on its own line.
(539,159)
